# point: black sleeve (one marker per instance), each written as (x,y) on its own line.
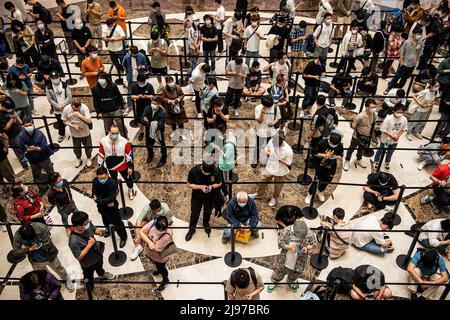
(118,96)
(217,176)
(134,89)
(339,150)
(95,100)
(393,182)
(146,113)
(191,176)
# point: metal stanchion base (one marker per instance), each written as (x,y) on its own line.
(333,65)
(350,106)
(117,260)
(297,148)
(126,213)
(402,262)
(304,180)
(294,125)
(54,146)
(397,220)
(310,213)
(13,258)
(134,124)
(118,81)
(319,264)
(233,259)
(72,82)
(368,153)
(136,176)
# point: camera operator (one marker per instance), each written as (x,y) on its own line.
(338,240)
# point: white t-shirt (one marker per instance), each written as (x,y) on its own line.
(254,40)
(392,125)
(17,15)
(391,102)
(324,7)
(280,69)
(60,94)
(134,70)
(220,12)
(263,129)
(118,32)
(324,39)
(426,97)
(228,27)
(198,77)
(194,36)
(275,167)
(433,237)
(67,115)
(360,239)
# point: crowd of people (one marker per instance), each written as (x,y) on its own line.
(413,36)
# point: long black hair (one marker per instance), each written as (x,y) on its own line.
(33,280)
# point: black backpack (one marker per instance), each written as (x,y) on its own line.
(46,16)
(252,275)
(340,280)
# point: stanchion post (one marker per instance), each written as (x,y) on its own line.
(298,148)
(88,289)
(397,219)
(185,44)
(310,212)
(380,162)
(334,64)
(134,123)
(297,75)
(403,260)
(233,258)
(125,212)
(293,125)
(181,70)
(122,121)
(117,258)
(411,82)
(71,80)
(435,132)
(305,179)
(131,33)
(225,293)
(319,260)
(445,292)
(53,146)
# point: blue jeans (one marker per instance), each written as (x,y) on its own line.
(193,64)
(63,212)
(212,55)
(227,232)
(249,55)
(310,96)
(374,248)
(390,148)
(402,74)
(129,100)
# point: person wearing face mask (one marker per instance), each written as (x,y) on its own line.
(157,49)
(22,70)
(114,36)
(59,96)
(193,37)
(324,8)
(116,155)
(16,14)
(6,171)
(237,71)
(27,204)
(351,46)
(157,236)
(60,195)
(173,103)
(45,40)
(86,249)
(368,83)
(232,30)
(154,12)
(338,241)
(34,240)
(323,37)
(38,152)
(91,67)
(93,13)
(241,212)
(134,64)
(219,19)
(46,66)
(382,193)
(325,159)
(24,42)
(154,118)
(413,13)
(253,82)
(392,129)
(150,211)
(82,39)
(205,180)
(118,14)
(142,93)
(361,126)
(162,28)
(104,192)
(209,92)
(40,285)
(298,50)
(252,38)
(189,18)
(108,102)
(393,48)
(209,37)
(282,18)
(18,92)
(65,16)
(78,118)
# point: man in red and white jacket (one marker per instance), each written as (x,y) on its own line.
(116,155)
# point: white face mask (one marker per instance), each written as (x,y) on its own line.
(40,26)
(242,204)
(154,107)
(160,232)
(86,227)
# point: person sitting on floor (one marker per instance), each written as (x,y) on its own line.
(436,235)
(369,282)
(441,181)
(381,191)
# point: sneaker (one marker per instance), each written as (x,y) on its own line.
(436,209)
(272,202)
(417,135)
(161,287)
(78,163)
(183,137)
(89,163)
(426,199)
(108,276)
(295,287)
(68,232)
(34,113)
(389,208)
(321,196)
(421,165)
(254,165)
(172,135)
(346,165)
(271,287)
(255,235)
(385,92)
(361,164)
(131,193)
(413,296)
(127,111)
(69,285)
(60,138)
(141,136)
(81,77)
(189,235)
(236,113)
(156,273)
(199,116)
(375,166)
(255,196)
(4,229)
(193,98)
(409,136)
(225,240)
(308,199)
(136,251)
(122,243)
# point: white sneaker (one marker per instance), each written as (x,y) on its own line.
(136,251)
(386,165)
(193,98)
(127,111)
(78,163)
(389,208)
(409,136)
(69,285)
(199,115)
(361,164)
(321,196)
(4,229)
(421,165)
(308,199)
(236,113)
(346,165)
(35,113)
(272,202)
(89,163)
(172,134)
(417,135)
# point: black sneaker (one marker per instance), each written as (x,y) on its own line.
(254,165)
(161,163)
(122,243)
(149,160)
(413,296)
(141,136)
(189,234)
(208,230)
(161,287)
(156,273)
(106,233)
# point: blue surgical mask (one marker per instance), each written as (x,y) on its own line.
(171,85)
(94,55)
(114,136)
(102,181)
(102,81)
(29,129)
(373,110)
(154,107)
(59,184)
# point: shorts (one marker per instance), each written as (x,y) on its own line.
(159,71)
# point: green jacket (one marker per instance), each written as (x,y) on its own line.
(228,160)
(444,78)
(42,236)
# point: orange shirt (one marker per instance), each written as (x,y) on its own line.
(88,67)
(120,13)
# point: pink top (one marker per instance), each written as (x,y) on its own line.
(161,242)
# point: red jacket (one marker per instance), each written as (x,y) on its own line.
(27,206)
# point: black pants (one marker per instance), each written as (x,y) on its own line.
(220,42)
(233,97)
(88,273)
(441,197)
(226,177)
(111,215)
(162,269)
(60,124)
(125,176)
(31,57)
(3,217)
(373,200)
(116,59)
(196,207)
(151,142)
(353,145)
(346,64)
(324,177)
(197,101)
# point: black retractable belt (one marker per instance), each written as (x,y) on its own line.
(403,260)
(54,146)
(293,125)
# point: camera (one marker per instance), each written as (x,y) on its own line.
(325,218)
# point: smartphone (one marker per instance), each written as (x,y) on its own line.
(38,245)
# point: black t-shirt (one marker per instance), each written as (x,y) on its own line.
(15,128)
(148,90)
(312,69)
(219,119)
(241,4)
(368,278)
(341,80)
(196,176)
(281,215)
(209,33)
(433,27)
(66,15)
(328,165)
(443,106)
(386,190)
(38,9)
(82,35)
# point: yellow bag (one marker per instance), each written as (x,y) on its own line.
(243,236)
